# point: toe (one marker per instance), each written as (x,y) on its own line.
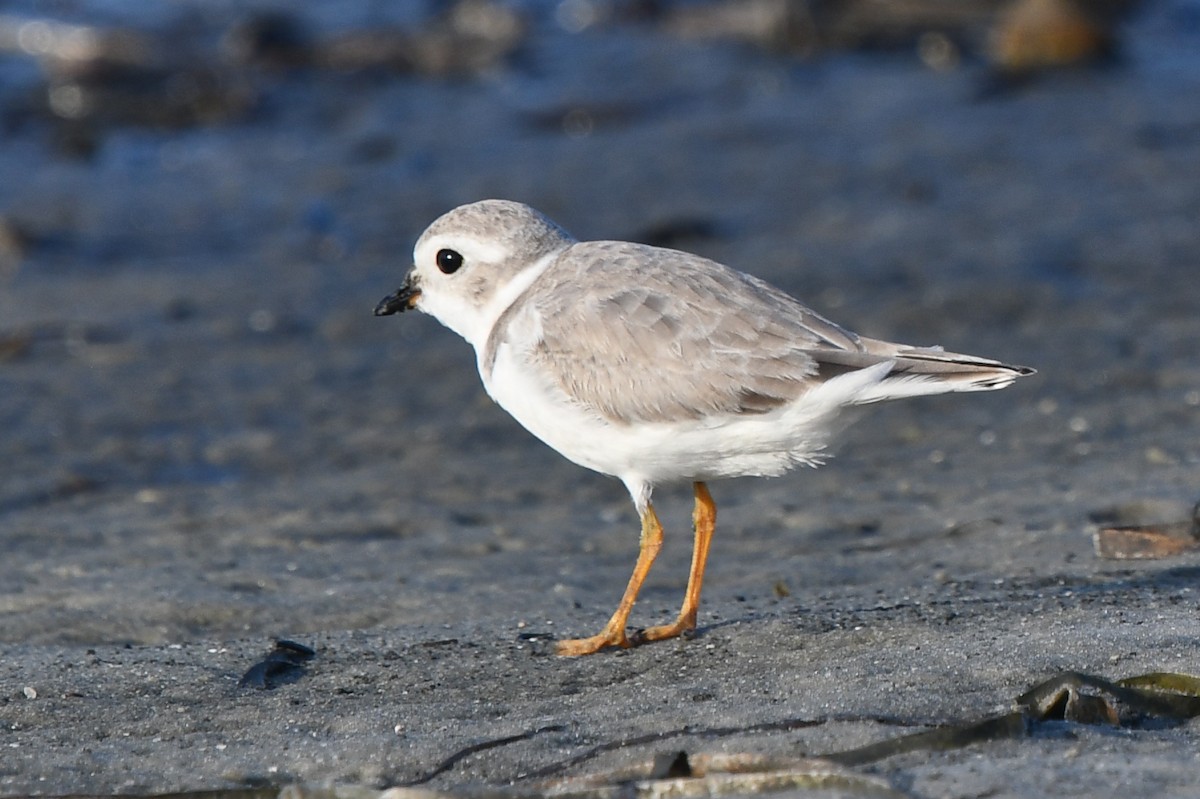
(662,632)
(574,647)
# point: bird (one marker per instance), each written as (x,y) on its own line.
(655,366)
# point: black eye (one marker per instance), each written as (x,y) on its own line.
(449,261)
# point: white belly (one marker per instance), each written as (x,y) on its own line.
(658,452)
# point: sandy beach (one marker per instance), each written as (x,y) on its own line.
(210,442)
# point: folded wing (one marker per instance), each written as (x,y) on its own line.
(641,334)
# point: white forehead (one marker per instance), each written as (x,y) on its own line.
(471,245)
(492,231)
(504,247)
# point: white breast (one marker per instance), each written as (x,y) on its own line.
(658,452)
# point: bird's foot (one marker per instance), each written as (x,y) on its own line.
(684,624)
(574,647)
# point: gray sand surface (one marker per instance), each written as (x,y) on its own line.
(209,442)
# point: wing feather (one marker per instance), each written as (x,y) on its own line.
(641,334)
(637,333)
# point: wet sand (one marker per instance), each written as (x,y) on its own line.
(210,442)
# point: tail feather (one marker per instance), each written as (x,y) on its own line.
(918,371)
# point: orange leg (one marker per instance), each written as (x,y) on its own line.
(704,521)
(613,633)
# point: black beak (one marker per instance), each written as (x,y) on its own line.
(404,299)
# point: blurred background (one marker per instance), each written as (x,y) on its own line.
(205,431)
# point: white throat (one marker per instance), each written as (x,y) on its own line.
(480,322)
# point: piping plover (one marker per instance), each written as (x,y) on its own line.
(655,366)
